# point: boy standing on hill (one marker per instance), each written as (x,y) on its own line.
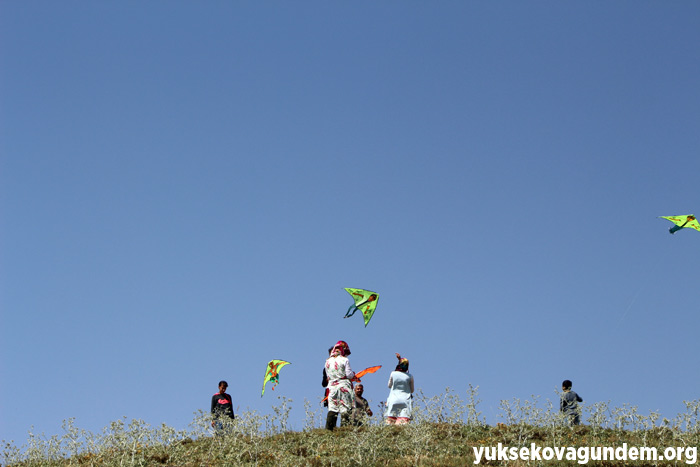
(568,405)
(221,406)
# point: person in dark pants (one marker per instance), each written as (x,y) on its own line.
(221,408)
(341,399)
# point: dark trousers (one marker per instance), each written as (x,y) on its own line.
(332,419)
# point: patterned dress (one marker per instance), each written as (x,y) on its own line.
(340,396)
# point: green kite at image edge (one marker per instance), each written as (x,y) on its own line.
(365,301)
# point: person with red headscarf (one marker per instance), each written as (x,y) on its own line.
(341,399)
(400,401)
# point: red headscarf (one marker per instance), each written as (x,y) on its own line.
(341,348)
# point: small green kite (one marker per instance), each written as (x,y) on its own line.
(688,221)
(272,373)
(365,301)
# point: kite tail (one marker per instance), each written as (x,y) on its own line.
(352,308)
(676,228)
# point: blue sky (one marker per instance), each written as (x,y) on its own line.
(188,187)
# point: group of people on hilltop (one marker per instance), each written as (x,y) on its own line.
(345,400)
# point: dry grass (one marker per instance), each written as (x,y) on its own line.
(444,432)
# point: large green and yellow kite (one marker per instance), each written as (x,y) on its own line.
(273,373)
(365,301)
(682,222)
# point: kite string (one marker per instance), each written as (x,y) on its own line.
(629,307)
(639,291)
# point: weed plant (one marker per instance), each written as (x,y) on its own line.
(443,432)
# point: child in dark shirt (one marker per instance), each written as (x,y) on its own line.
(221,407)
(568,405)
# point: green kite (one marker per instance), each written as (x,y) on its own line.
(688,221)
(272,373)
(365,301)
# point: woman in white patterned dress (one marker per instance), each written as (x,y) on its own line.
(341,398)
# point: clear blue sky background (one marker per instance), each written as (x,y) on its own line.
(187,187)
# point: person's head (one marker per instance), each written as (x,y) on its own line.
(222,386)
(566,385)
(403,363)
(341,348)
(359,389)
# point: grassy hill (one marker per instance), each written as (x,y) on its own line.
(445,432)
